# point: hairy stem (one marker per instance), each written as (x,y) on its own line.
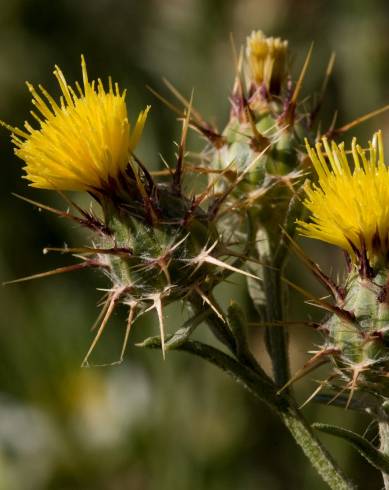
(299,428)
(265,390)
(319,457)
(384,447)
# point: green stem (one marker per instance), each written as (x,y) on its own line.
(268,300)
(276,334)
(223,333)
(319,457)
(299,428)
(272,248)
(265,390)
(384,447)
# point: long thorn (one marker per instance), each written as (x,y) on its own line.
(285,323)
(327,282)
(44,206)
(341,313)
(315,392)
(360,120)
(60,270)
(323,90)
(177,177)
(209,302)
(212,260)
(316,361)
(107,316)
(158,307)
(90,250)
(100,316)
(185,102)
(168,104)
(72,203)
(302,76)
(88,221)
(130,320)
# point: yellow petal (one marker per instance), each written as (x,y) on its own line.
(82,142)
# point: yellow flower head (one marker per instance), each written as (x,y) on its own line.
(267,59)
(350,205)
(83,142)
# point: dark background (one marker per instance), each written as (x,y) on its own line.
(153,424)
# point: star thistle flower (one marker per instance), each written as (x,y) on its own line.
(83,142)
(267,60)
(350,206)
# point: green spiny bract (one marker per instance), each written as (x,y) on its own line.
(164,253)
(349,209)
(155,244)
(357,334)
(260,161)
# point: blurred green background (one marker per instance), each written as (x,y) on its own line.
(151,424)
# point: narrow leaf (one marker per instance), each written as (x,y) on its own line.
(373,455)
(186,330)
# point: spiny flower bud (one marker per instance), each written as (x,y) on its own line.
(261,158)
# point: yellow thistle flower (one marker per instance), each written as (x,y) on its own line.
(350,206)
(83,142)
(267,59)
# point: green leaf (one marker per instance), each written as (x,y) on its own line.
(373,455)
(152,342)
(173,341)
(185,331)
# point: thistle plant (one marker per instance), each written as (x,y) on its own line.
(158,240)
(349,209)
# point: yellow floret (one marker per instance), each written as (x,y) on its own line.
(266,58)
(83,142)
(349,206)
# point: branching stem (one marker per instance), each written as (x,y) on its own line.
(266,391)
